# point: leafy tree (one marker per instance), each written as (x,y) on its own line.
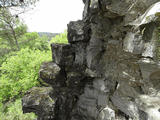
(19,73)
(16,3)
(34,41)
(10,28)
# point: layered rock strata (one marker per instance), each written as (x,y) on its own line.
(109,70)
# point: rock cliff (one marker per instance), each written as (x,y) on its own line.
(109,70)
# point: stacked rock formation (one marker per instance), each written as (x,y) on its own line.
(109,70)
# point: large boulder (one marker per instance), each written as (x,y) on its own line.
(38,100)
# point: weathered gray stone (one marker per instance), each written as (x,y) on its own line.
(38,100)
(78,31)
(150,105)
(110,69)
(151,15)
(107,114)
(49,72)
(62,54)
(133,43)
(126,105)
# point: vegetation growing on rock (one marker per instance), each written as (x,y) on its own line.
(19,72)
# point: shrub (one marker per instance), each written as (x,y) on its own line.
(61,38)
(34,41)
(20,72)
(13,111)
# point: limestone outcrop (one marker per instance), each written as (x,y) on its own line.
(110,69)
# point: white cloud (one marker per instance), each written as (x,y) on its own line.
(53,15)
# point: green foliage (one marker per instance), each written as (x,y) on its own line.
(17,3)
(61,38)
(10,28)
(3,53)
(13,111)
(21,55)
(4,50)
(20,72)
(28,40)
(3,57)
(34,41)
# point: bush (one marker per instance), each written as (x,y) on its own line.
(20,72)
(34,41)
(28,40)
(13,111)
(61,38)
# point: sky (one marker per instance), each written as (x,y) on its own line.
(53,15)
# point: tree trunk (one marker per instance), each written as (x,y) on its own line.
(15,38)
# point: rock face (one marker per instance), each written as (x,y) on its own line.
(110,69)
(38,100)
